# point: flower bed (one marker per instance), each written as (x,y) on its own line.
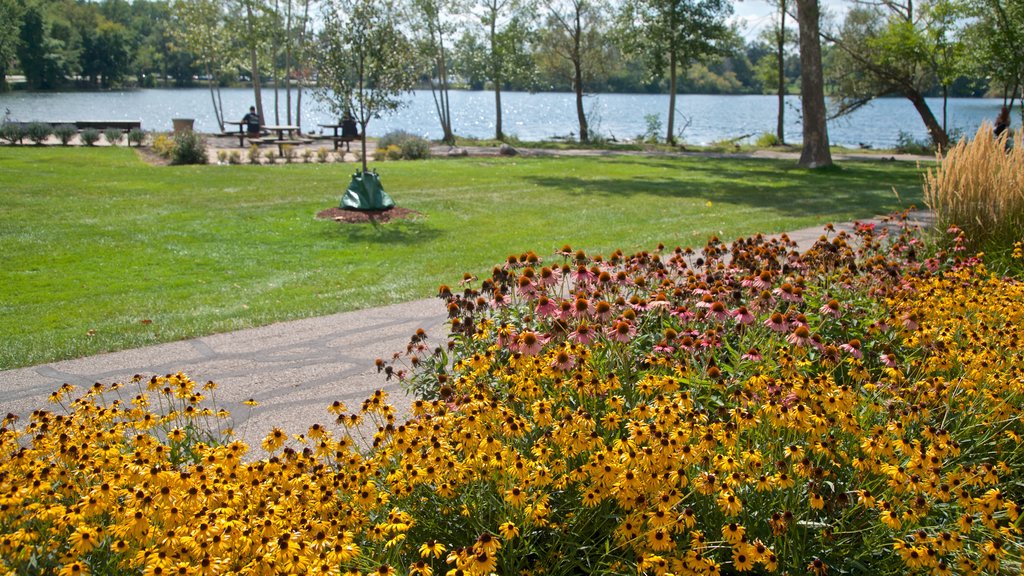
(855,409)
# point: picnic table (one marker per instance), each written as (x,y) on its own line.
(287,135)
(242,134)
(349,133)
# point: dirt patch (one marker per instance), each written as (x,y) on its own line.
(358,216)
(152,158)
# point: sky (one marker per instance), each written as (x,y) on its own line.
(757,14)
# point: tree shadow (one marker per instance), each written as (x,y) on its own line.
(411,231)
(863,187)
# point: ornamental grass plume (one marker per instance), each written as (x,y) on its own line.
(978,187)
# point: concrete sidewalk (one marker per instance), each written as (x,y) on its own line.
(295,370)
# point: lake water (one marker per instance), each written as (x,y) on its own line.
(527,116)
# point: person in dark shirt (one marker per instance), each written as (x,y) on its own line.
(252,121)
(1002,122)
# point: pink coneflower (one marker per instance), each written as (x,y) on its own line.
(563,361)
(622,331)
(526,287)
(753,355)
(663,347)
(686,343)
(583,334)
(789,293)
(719,311)
(549,277)
(637,303)
(888,358)
(506,336)
(911,321)
(500,300)
(777,322)
(830,353)
(742,315)
(564,310)
(830,308)
(683,314)
(530,343)
(801,337)
(583,275)
(853,348)
(762,281)
(706,300)
(581,308)
(602,311)
(546,306)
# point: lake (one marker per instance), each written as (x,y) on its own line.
(536,116)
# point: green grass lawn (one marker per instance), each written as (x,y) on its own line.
(100,251)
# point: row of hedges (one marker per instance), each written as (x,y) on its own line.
(744,408)
(40,132)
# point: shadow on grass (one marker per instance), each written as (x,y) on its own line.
(857,187)
(410,232)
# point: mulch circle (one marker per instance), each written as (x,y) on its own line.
(358,216)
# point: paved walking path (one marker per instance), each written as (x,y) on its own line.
(293,369)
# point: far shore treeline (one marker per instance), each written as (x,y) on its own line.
(939,48)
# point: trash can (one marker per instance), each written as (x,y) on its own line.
(182,124)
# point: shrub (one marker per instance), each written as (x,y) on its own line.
(163,145)
(907,144)
(392,152)
(222,156)
(415,148)
(12,132)
(307,155)
(288,153)
(254,154)
(767,140)
(234,157)
(65,133)
(189,148)
(136,136)
(979,187)
(323,155)
(38,132)
(394,138)
(89,136)
(113,135)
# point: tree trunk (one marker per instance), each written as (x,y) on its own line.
(254,63)
(577,64)
(939,137)
(288,64)
(498,134)
(496,78)
(815,153)
(670,135)
(780,127)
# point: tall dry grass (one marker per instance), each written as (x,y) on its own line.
(979,187)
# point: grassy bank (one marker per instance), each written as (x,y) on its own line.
(101,251)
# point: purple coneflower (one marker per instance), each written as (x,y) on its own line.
(563,361)
(530,343)
(888,358)
(753,355)
(742,315)
(546,306)
(622,331)
(830,308)
(801,337)
(853,348)
(777,322)
(583,334)
(549,277)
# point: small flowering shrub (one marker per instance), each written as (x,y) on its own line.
(136,136)
(744,409)
(12,132)
(89,136)
(189,148)
(38,132)
(163,145)
(65,133)
(113,135)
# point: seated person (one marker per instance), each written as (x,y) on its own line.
(252,122)
(348,127)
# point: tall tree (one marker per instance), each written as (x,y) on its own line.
(574,34)
(672,34)
(366,61)
(202,27)
(779,36)
(995,41)
(882,50)
(434,19)
(506,31)
(10,27)
(815,153)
